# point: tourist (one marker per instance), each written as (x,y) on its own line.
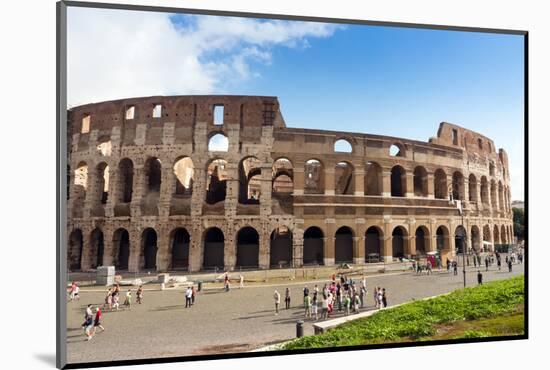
(139,294)
(226,282)
(324,307)
(362,293)
(428,267)
(74,292)
(128,299)
(287,298)
(307,305)
(339,296)
(330,303)
(241,281)
(510,265)
(498,262)
(306,293)
(193,294)
(356,302)
(384,298)
(88,325)
(188,297)
(115,300)
(347,302)
(109,300)
(479,278)
(448,265)
(97,320)
(314,307)
(375,296)
(418,269)
(380,298)
(277,298)
(455,268)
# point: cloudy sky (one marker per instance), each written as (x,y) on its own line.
(379,80)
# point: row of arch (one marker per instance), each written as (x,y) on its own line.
(280,246)
(249,177)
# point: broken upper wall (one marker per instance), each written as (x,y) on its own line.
(250,112)
(456,136)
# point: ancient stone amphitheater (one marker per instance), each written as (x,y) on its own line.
(219,182)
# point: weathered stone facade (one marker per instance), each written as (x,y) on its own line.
(147,193)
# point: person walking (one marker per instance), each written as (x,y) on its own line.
(356,302)
(287,298)
(475,261)
(362,293)
(306,293)
(128,299)
(108,299)
(347,303)
(479,278)
(486,263)
(226,282)
(307,305)
(188,297)
(455,268)
(384,298)
(339,297)
(139,294)
(380,298)
(375,296)
(324,307)
(88,326)
(277,298)
(498,263)
(193,294)
(116,300)
(314,307)
(509,265)
(97,320)
(428,268)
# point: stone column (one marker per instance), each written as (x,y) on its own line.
(298,173)
(167,187)
(85,259)
(329,180)
(137,189)
(328,243)
(359,175)
(297,247)
(359,250)
(264,250)
(431,187)
(387,249)
(113,191)
(386,183)
(410,245)
(91,192)
(163,249)
(135,250)
(195,247)
(478,194)
(466,190)
(409,193)
(230,248)
(266,187)
(108,246)
(232,191)
(199,191)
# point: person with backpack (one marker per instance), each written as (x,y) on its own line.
(287,298)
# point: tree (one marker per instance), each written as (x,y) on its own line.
(519,222)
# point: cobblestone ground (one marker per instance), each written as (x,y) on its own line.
(224,322)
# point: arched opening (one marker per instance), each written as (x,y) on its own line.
(313,177)
(248,247)
(78,194)
(216,181)
(102,181)
(74,252)
(121,249)
(484,190)
(313,246)
(496,235)
(373,244)
(280,247)
(440,184)
(149,249)
(461,238)
(343,146)
(343,179)
(96,248)
(398,242)
(487,244)
(213,248)
(420,181)
(180,248)
(249,181)
(126,180)
(422,236)
(397,150)
(343,245)
(373,179)
(476,239)
(183,171)
(283,176)
(442,238)
(458,186)
(218,143)
(472,188)
(398,181)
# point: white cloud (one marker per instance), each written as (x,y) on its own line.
(115,54)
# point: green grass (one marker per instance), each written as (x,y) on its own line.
(420,320)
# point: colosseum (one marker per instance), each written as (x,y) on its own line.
(197,183)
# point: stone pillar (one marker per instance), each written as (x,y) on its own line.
(91,192)
(232,191)
(135,250)
(195,247)
(478,194)
(387,248)
(386,183)
(466,190)
(113,191)
(266,187)
(230,248)
(164,250)
(108,252)
(329,180)
(328,243)
(199,191)
(298,173)
(85,259)
(409,191)
(359,177)
(359,250)
(431,187)
(449,186)
(138,188)
(410,245)
(264,250)
(297,247)
(167,186)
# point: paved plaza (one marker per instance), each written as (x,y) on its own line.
(225,322)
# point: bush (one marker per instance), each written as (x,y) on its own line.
(417,319)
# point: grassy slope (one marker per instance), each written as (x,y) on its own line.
(421,320)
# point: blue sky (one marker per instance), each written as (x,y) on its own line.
(381,80)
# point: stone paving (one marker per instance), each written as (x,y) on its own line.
(225,322)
